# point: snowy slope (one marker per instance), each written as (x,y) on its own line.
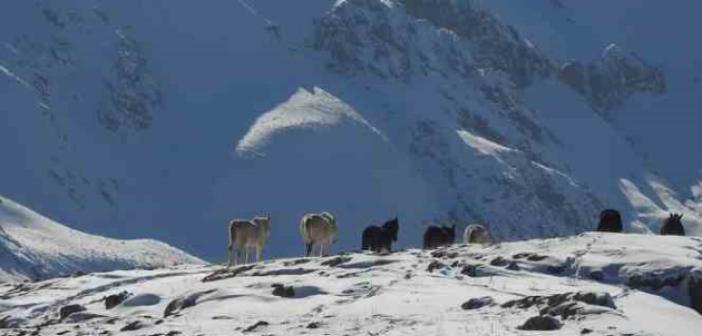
(33,247)
(629,284)
(168,118)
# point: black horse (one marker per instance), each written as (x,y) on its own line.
(610,221)
(437,236)
(673,226)
(379,238)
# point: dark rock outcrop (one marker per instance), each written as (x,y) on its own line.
(564,305)
(541,323)
(434,265)
(65,311)
(183,302)
(226,273)
(476,271)
(695,292)
(255,326)
(283,291)
(477,303)
(114,300)
(608,82)
(136,325)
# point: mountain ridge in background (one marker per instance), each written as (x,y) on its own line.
(166,118)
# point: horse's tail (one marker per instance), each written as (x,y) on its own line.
(232,236)
(365,244)
(303,229)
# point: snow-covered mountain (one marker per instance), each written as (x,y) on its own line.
(33,247)
(168,118)
(596,284)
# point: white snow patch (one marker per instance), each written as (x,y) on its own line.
(482,145)
(303,110)
(35,247)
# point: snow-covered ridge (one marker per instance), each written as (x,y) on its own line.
(594,283)
(33,247)
(305,110)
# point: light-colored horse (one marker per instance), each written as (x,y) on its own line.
(477,234)
(246,234)
(318,229)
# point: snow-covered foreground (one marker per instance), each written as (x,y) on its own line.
(409,292)
(34,247)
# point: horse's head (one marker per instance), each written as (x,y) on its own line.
(392,226)
(675,218)
(264,222)
(610,215)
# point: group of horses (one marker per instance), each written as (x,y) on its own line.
(319,230)
(611,221)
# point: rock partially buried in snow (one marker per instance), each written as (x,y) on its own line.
(255,326)
(113,300)
(66,311)
(283,291)
(476,271)
(695,291)
(566,305)
(541,323)
(79,317)
(513,266)
(336,261)
(477,303)
(434,265)
(136,325)
(226,273)
(183,302)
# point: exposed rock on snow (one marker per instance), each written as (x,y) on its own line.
(543,323)
(283,291)
(66,311)
(477,303)
(115,299)
(610,81)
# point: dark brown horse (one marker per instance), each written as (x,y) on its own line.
(673,226)
(610,221)
(437,236)
(379,238)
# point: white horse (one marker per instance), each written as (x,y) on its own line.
(318,229)
(245,234)
(477,234)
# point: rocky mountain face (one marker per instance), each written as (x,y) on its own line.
(608,82)
(167,119)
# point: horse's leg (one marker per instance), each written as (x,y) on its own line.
(258,252)
(230,254)
(308,249)
(234,255)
